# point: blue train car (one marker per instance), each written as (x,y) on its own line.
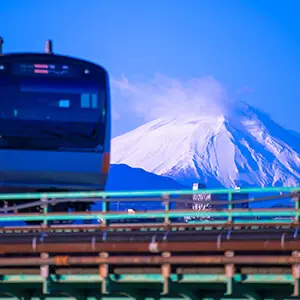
(55,123)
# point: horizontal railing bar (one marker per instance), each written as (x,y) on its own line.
(159,193)
(152,214)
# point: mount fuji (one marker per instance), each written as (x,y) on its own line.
(124,178)
(240,148)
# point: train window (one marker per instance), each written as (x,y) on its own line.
(94,101)
(89,100)
(64,103)
(54,100)
(85,100)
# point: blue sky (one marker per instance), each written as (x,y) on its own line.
(251,48)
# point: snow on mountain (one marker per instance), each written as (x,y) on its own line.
(242,148)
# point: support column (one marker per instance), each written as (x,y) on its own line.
(229,272)
(45,274)
(166,272)
(296,275)
(104,272)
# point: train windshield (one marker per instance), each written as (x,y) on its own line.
(52,113)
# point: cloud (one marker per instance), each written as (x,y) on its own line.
(165,96)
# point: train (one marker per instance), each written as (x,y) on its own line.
(55,125)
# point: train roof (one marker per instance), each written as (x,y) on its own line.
(50,55)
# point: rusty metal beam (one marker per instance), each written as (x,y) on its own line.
(145,247)
(143,270)
(151,260)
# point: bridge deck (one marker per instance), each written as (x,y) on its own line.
(228,253)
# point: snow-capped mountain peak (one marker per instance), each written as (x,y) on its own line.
(242,148)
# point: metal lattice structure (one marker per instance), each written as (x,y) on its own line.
(245,253)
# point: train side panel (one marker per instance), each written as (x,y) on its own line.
(50,169)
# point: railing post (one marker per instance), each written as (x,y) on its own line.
(230,207)
(45,210)
(104,209)
(166,203)
(296,198)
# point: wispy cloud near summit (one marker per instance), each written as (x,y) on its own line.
(165,96)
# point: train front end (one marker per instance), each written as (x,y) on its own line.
(55,124)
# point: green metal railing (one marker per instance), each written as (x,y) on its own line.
(166,197)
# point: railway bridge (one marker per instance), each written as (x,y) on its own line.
(163,253)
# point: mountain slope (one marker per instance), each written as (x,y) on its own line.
(125,178)
(243,148)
